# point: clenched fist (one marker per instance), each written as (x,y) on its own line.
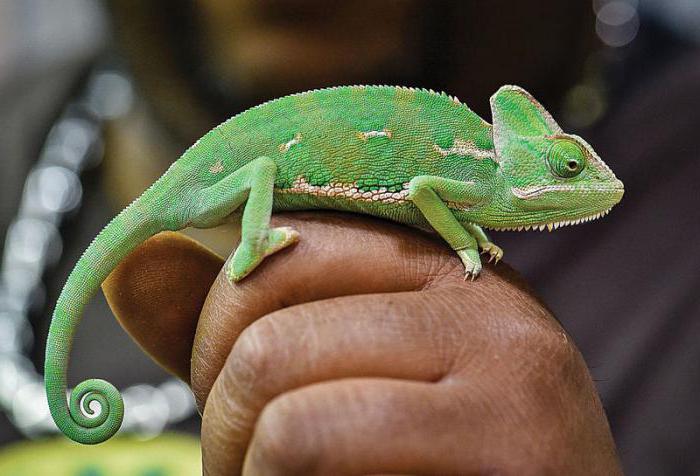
(362,350)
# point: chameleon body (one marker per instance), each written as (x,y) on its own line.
(408,155)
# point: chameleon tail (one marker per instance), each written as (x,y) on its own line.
(78,420)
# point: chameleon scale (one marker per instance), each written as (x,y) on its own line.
(408,155)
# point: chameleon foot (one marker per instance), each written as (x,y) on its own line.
(278,238)
(472,263)
(246,258)
(495,252)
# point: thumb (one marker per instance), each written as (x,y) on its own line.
(157,293)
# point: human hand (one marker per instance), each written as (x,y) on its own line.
(362,350)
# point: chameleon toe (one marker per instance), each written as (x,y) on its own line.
(472,263)
(279,238)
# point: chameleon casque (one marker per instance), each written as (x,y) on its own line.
(409,155)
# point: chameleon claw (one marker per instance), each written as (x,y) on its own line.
(494,251)
(472,263)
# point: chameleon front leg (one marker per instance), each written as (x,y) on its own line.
(429,194)
(252,184)
(485,243)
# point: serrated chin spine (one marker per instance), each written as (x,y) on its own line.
(550,225)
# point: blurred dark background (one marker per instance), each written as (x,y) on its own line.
(126,86)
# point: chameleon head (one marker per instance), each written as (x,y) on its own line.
(550,178)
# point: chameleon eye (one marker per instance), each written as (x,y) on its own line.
(565,158)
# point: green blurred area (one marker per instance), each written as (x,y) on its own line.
(167,455)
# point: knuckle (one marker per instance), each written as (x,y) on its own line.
(251,365)
(535,337)
(558,349)
(281,438)
(554,361)
(541,334)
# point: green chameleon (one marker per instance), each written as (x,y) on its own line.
(408,155)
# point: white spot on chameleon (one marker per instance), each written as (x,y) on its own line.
(369,134)
(347,190)
(465,147)
(217,168)
(350,191)
(287,145)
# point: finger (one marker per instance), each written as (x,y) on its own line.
(371,426)
(382,335)
(157,293)
(365,426)
(338,255)
(476,426)
(423,336)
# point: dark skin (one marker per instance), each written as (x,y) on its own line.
(362,350)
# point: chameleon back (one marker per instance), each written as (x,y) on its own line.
(350,135)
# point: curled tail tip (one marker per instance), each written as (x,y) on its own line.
(85,424)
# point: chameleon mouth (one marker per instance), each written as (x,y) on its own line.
(535,191)
(552,225)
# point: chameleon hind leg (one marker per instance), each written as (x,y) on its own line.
(429,194)
(252,187)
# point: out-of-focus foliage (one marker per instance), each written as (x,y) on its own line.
(167,455)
